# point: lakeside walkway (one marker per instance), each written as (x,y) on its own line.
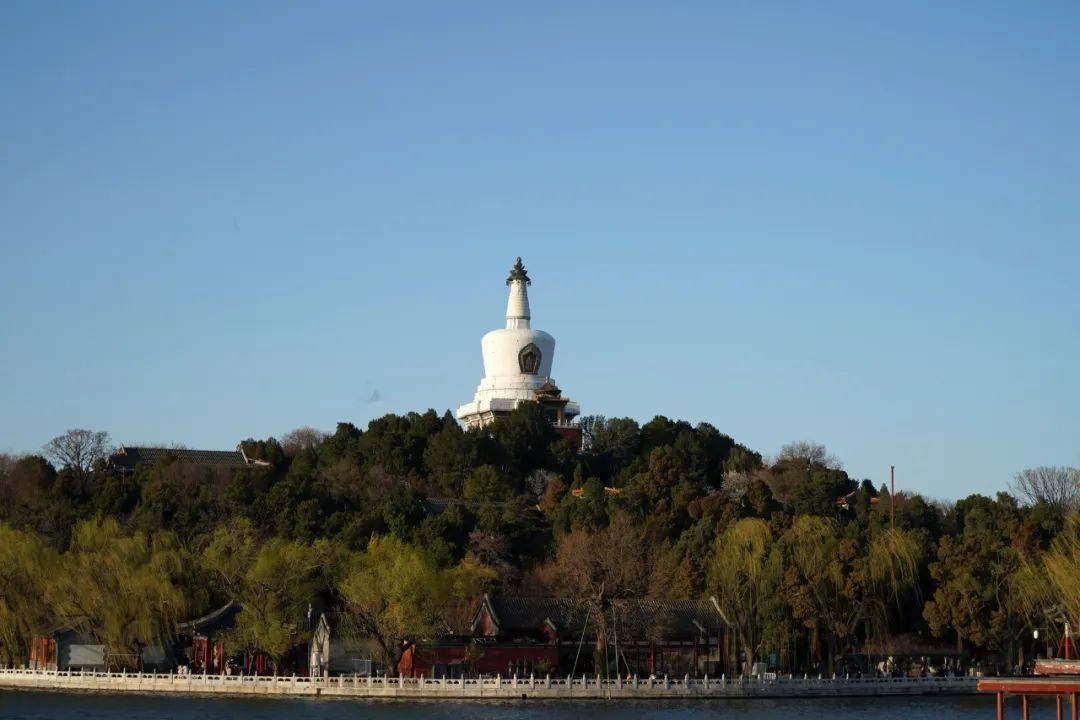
(482,688)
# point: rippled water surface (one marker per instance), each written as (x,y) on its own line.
(16,705)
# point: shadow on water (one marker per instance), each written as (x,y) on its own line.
(70,706)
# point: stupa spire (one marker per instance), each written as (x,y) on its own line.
(518,272)
(517,305)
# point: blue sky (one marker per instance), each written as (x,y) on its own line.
(848,223)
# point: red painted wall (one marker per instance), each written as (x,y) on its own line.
(42,653)
(487,625)
(496,658)
(494,661)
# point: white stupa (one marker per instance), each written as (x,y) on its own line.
(517,365)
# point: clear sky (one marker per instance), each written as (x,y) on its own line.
(856,224)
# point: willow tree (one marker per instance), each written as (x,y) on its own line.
(1062,562)
(393,592)
(1044,588)
(836,586)
(120,587)
(25,563)
(1030,595)
(744,575)
(274,583)
(229,554)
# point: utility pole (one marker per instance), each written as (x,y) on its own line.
(892,497)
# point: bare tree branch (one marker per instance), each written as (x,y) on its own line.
(78,448)
(302,438)
(810,453)
(1058,487)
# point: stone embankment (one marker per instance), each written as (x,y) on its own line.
(483,688)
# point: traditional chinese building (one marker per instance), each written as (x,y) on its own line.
(517,367)
(207,651)
(65,648)
(559,636)
(127,458)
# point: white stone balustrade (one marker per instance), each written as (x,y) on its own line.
(481,688)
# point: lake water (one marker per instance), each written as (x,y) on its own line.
(18,705)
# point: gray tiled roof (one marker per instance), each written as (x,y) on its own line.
(129,457)
(529,614)
(213,621)
(679,618)
(672,618)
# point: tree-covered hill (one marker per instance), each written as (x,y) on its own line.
(399,521)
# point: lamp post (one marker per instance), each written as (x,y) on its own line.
(892,497)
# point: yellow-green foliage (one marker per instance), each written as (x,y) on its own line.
(395,592)
(744,574)
(274,582)
(1062,563)
(25,565)
(120,587)
(892,564)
